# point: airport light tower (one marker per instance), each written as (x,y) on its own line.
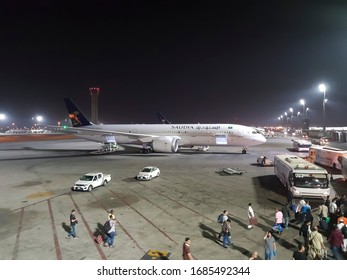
(322,88)
(94,93)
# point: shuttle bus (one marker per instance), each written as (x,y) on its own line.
(343,162)
(301,145)
(302,178)
(327,156)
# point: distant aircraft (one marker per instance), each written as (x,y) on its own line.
(162,119)
(165,138)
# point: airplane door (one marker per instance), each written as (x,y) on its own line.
(109,139)
(221,139)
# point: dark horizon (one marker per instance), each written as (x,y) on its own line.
(204,62)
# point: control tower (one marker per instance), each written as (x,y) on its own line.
(94,93)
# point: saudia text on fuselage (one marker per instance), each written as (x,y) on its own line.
(197,127)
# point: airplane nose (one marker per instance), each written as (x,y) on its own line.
(262,139)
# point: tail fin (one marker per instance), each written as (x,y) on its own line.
(162,119)
(77,118)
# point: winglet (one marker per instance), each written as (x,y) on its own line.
(77,118)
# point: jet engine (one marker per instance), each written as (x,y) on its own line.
(165,144)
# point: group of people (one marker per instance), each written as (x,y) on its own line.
(332,223)
(110,233)
(313,246)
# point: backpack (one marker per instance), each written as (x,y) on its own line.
(107,226)
(220,218)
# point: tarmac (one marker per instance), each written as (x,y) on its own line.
(36,201)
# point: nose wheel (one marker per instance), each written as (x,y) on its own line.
(244,150)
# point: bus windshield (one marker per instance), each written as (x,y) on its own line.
(311,181)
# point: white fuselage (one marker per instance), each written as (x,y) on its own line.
(188,134)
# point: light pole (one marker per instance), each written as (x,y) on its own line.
(302,102)
(322,88)
(307,110)
(2,118)
(291,118)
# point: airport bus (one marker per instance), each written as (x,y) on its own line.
(343,162)
(327,156)
(301,145)
(302,178)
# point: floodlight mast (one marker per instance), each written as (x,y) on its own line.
(322,88)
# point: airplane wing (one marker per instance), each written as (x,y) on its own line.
(144,138)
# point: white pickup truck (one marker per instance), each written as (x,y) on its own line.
(91,180)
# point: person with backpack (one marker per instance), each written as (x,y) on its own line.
(110,231)
(226,229)
(222,219)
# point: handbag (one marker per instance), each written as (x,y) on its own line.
(253,221)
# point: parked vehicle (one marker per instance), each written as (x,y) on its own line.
(327,156)
(148,173)
(91,180)
(302,178)
(322,141)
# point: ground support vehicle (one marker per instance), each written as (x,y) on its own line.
(302,178)
(327,156)
(301,145)
(91,180)
(343,162)
(264,161)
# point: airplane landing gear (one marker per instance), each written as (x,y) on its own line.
(108,148)
(244,150)
(145,150)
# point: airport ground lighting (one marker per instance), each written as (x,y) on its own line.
(37,120)
(322,88)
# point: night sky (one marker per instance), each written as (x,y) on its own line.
(241,62)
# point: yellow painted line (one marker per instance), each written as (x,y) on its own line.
(39,195)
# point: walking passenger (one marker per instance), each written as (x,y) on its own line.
(336,240)
(286,215)
(186,255)
(269,246)
(226,229)
(316,245)
(251,216)
(224,218)
(111,234)
(73,223)
(300,254)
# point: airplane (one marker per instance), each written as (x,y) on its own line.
(162,119)
(163,138)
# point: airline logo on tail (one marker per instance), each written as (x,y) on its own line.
(77,118)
